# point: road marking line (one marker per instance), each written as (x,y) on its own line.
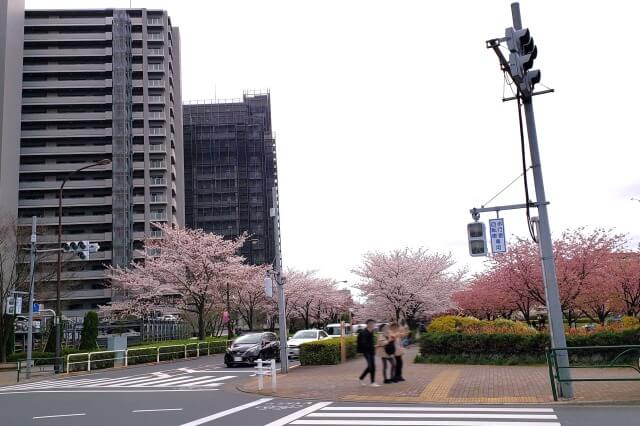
(202,381)
(441,415)
(132,383)
(107,391)
(301,413)
(445,409)
(92,382)
(156,410)
(136,380)
(59,415)
(418,423)
(226,412)
(177,382)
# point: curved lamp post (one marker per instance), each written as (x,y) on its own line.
(58,317)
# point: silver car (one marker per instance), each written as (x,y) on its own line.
(303,336)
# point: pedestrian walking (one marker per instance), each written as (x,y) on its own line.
(367,349)
(399,333)
(385,349)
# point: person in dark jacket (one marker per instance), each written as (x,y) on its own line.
(368,351)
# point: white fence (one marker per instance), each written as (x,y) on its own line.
(266,368)
(147,354)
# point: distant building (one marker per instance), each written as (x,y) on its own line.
(11,41)
(99,84)
(230,169)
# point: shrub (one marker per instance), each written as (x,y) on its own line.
(630,322)
(142,355)
(445,324)
(326,352)
(501,348)
(8,333)
(89,336)
(453,323)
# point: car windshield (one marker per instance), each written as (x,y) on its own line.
(305,335)
(249,338)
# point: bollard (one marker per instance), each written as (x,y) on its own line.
(260,376)
(158,355)
(273,375)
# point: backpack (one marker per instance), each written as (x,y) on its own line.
(390,348)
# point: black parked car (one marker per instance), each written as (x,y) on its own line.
(247,348)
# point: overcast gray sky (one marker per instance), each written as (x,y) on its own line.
(389,119)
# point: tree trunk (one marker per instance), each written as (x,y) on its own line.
(250,319)
(201,329)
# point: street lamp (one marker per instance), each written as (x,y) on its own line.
(58,317)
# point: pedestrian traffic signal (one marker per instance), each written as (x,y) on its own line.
(477,239)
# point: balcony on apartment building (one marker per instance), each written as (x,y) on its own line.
(54,184)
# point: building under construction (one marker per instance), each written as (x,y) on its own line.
(230,169)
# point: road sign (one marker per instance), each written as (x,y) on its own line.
(498,239)
(36,308)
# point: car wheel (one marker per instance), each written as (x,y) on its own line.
(229,365)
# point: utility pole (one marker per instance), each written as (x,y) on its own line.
(33,253)
(282,319)
(554,309)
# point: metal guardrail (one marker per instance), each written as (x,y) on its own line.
(124,355)
(623,356)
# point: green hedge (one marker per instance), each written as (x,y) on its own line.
(462,348)
(326,352)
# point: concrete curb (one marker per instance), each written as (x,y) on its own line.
(599,403)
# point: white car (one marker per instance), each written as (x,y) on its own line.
(303,336)
(333,330)
(170,318)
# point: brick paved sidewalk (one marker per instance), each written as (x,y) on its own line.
(443,383)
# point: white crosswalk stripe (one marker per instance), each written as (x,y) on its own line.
(143,381)
(398,415)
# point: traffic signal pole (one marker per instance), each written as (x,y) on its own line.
(282,317)
(32,253)
(552,293)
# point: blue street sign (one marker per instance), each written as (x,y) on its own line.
(498,237)
(36,307)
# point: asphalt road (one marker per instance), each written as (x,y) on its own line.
(202,392)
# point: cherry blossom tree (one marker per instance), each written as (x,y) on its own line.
(312,299)
(249,295)
(625,277)
(407,283)
(581,261)
(486,298)
(584,268)
(187,268)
